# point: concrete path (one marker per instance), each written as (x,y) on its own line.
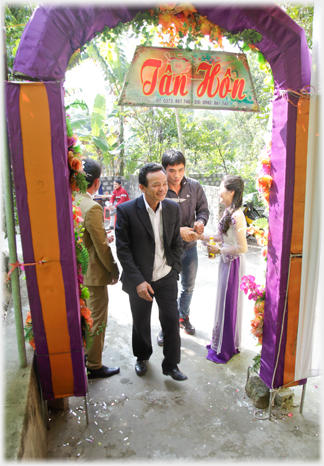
(207,417)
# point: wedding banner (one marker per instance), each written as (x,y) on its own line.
(168,77)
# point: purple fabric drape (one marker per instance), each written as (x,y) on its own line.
(16,150)
(55,94)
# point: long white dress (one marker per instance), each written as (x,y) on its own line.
(226,334)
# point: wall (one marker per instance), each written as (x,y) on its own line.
(209,184)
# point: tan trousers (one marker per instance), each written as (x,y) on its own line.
(98,305)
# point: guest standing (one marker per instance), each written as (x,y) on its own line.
(149,248)
(194,215)
(102,269)
(226,334)
(119,195)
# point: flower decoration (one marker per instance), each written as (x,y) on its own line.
(264,180)
(77,178)
(178,21)
(29,334)
(257,294)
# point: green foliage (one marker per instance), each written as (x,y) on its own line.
(77,104)
(303,15)
(84,292)
(15,19)
(256,362)
(261,223)
(29,334)
(80,181)
(88,334)
(82,257)
(98,114)
(244,38)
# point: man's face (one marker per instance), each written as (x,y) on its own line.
(175,173)
(156,189)
(116,185)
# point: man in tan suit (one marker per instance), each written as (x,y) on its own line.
(102,269)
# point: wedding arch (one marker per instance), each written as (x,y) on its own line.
(37,137)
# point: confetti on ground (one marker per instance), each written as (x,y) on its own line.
(290,414)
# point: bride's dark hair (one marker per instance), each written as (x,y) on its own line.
(236,184)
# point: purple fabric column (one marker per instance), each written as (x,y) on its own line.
(55,95)
(12,92)
(280,221)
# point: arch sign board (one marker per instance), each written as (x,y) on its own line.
(168,77)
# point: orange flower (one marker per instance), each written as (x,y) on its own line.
(265,160)
(266,196)
(253,47)
(186,8)
(32,343)
(166,20)
(82,303)
(262,241)
(178,21)
(74,187)
(265,253)
(167,6)
(28,318)
(206,27)
(265,182)
(259,307)
(75,163)
(85,312)
(260,340)
(90,322)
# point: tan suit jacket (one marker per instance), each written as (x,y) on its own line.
(102,267)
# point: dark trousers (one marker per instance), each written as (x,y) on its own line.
(165,293)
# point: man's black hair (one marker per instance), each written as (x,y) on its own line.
(148,168)
(117,180)
(173,157)
(92,171)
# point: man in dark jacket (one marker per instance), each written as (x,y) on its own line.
(149,248)
(194,215)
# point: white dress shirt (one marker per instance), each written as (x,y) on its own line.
(160,267)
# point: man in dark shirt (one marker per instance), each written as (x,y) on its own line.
(194,215)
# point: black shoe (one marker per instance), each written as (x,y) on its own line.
(186,325)
(175,373)
(141,367)
(160,338)
(104,371)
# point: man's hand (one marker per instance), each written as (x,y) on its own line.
(188,234)
(143,290)
(199,227)
(114,281)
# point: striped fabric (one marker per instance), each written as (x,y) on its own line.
(38,149)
